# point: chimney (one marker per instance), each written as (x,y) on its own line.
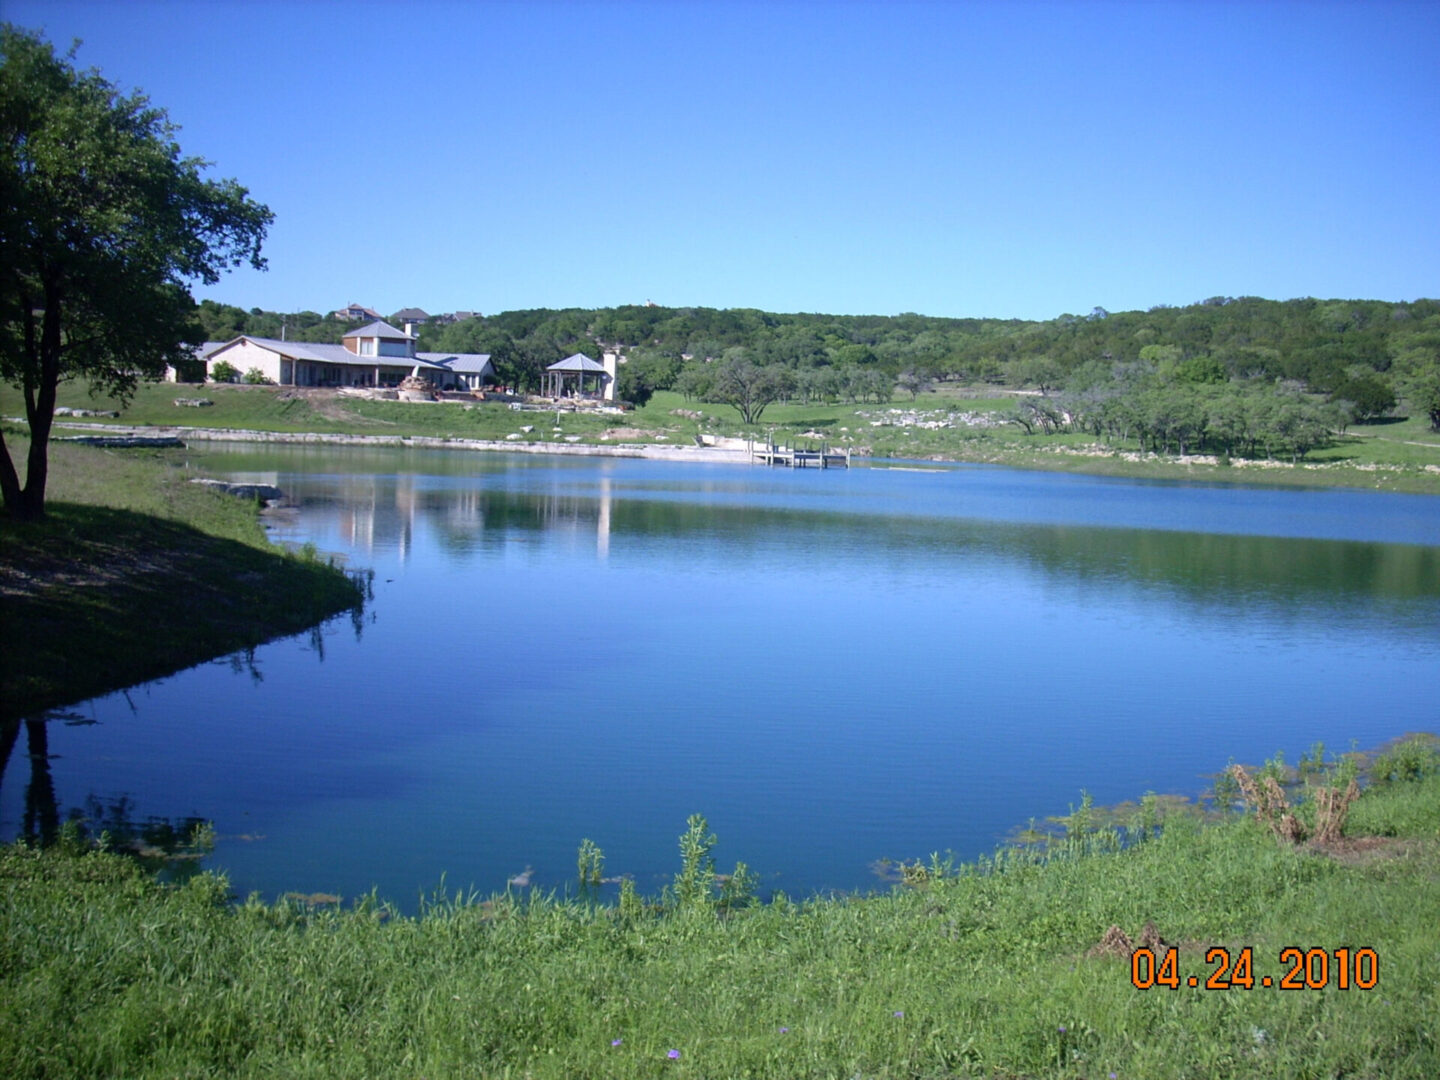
(611,361)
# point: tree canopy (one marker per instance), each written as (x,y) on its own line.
(103,225)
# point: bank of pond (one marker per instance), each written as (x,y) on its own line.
(1069,952)
(837,668)
(1263,938)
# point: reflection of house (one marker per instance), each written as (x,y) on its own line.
(376,354)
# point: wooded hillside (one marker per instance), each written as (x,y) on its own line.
(1366,352)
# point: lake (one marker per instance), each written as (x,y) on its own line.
(834,667)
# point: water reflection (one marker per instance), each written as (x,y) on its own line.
(834,667)
(41,822)
(380,515)
(172,847)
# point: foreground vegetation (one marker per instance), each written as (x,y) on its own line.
(990,969)
(135,573)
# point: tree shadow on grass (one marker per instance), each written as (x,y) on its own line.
(97,599)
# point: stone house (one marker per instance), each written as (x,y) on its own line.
(375,355)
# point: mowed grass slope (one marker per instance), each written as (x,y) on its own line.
(135,573)
(987,970)
(1394,454)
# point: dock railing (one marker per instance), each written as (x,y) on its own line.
(770,452)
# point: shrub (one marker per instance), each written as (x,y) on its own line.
(1411,759)
(256,377)
(224,371)
(1371,397)
(634,385)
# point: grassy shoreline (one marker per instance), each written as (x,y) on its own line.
(127,542)
(985,970)
(1392,455)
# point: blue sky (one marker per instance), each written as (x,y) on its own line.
(966,159)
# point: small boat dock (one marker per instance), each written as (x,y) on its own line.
(792,457)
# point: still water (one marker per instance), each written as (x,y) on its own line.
(834,667)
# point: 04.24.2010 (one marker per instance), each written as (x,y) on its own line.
(1309,969)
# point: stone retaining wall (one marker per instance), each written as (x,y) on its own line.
(430,442)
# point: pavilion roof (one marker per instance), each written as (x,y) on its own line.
(577,362)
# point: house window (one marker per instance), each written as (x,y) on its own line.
(367,346)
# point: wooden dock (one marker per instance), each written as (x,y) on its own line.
(791,457)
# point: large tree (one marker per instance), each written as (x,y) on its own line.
(103,225)
(749,387)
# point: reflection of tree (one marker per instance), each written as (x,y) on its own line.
(169,846)
(1211,570)
(9,732)
(1214,570)
(244,661)
(42,814)
(172,846)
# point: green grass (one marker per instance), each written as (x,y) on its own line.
(257,407)
(128,543)
(1394,455)
(983,971)
(1402,442)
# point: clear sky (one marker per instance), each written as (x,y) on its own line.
(967,159)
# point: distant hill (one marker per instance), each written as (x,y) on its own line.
(1321,344)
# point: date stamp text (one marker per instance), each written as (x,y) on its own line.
(1301,969)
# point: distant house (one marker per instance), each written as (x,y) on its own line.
(410,315)
(354,313)
(375,355)
(196,370)
(445,318)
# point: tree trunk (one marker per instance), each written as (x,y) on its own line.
(29,504)
(9,480)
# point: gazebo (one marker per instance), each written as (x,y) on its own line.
(558,376)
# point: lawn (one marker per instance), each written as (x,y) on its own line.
(1394,454)
(994,969)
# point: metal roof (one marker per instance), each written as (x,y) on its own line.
(379,329)
(467,363)
(327,354)
(476,363)
(577,362)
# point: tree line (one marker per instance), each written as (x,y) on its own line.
(1119,402)
(1372,354)
(105,227)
